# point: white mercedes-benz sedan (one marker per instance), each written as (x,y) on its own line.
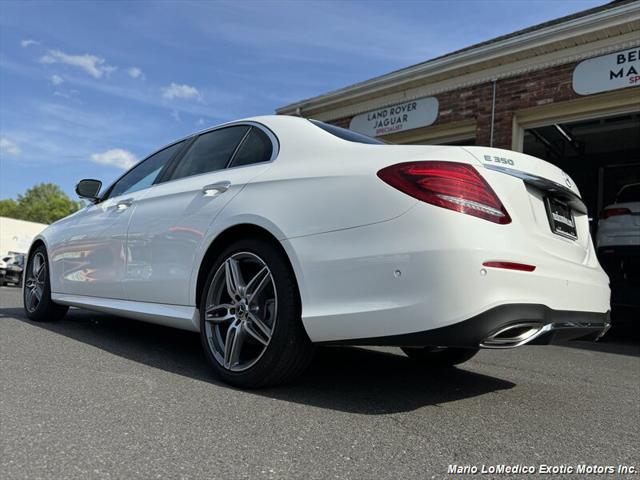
(273,234)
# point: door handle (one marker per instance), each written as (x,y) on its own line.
(215,189)
(122,205)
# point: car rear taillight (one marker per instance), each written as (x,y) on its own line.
(613,212)
(451,185)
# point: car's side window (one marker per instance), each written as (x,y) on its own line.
(256,148)
(143,175)
(210,152)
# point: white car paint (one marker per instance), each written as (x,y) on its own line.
(369,259)
(623,228)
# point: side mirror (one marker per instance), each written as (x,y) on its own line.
(89,189)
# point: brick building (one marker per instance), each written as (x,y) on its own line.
(567,91)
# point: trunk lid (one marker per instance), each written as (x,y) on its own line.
(507,159)
(541,198)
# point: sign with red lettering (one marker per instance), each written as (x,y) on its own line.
(608,72)
(396,118)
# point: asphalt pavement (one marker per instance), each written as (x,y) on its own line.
(97,396)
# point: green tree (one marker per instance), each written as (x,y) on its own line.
(9,208)
(43,203)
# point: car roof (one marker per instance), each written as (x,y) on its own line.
(628,185)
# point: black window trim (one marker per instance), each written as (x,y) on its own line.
(275,143)
(187,141)
(334,130)
(238,147)
(165,174)
(241,144)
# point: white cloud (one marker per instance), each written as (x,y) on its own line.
(116,157)
(8,147)
(186,92)
(91,64)
(200,122)
(135,72)
(28,42)
(56,79)
(176,115)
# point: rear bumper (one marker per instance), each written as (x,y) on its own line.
(627,236)
(424,271)
(505,326)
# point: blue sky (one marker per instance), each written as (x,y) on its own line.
(86,88)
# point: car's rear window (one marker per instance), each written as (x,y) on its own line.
(630,193)
(348,135)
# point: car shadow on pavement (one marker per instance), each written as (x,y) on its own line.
(616,345)
(348,379)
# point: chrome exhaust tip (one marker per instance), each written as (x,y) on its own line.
(602,333)
(514,335)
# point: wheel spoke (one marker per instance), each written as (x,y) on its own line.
(233,275)
(257,284)
(233,345)
(32,299)
(40,273)
(35,266)
(37,292)
(28,300)
(263,327)
(257,334)
(219,313)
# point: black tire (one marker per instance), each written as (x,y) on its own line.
(289,350)
(439,357)
(45,310)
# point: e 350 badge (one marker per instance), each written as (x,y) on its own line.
(500,160)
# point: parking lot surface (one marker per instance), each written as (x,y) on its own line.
(97,396)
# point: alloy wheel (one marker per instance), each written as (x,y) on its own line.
(241,310)
(35,281)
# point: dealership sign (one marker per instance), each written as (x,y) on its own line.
(608,72)
(396,118)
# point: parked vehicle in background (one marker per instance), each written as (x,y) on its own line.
(3,263)
(272,234)
(11,269)
(619,224)
(3,268)
(618,243)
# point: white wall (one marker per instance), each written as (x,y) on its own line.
(16,235)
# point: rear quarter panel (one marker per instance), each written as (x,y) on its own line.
(321,186)
(332,186)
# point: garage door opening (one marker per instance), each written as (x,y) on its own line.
(602,156)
